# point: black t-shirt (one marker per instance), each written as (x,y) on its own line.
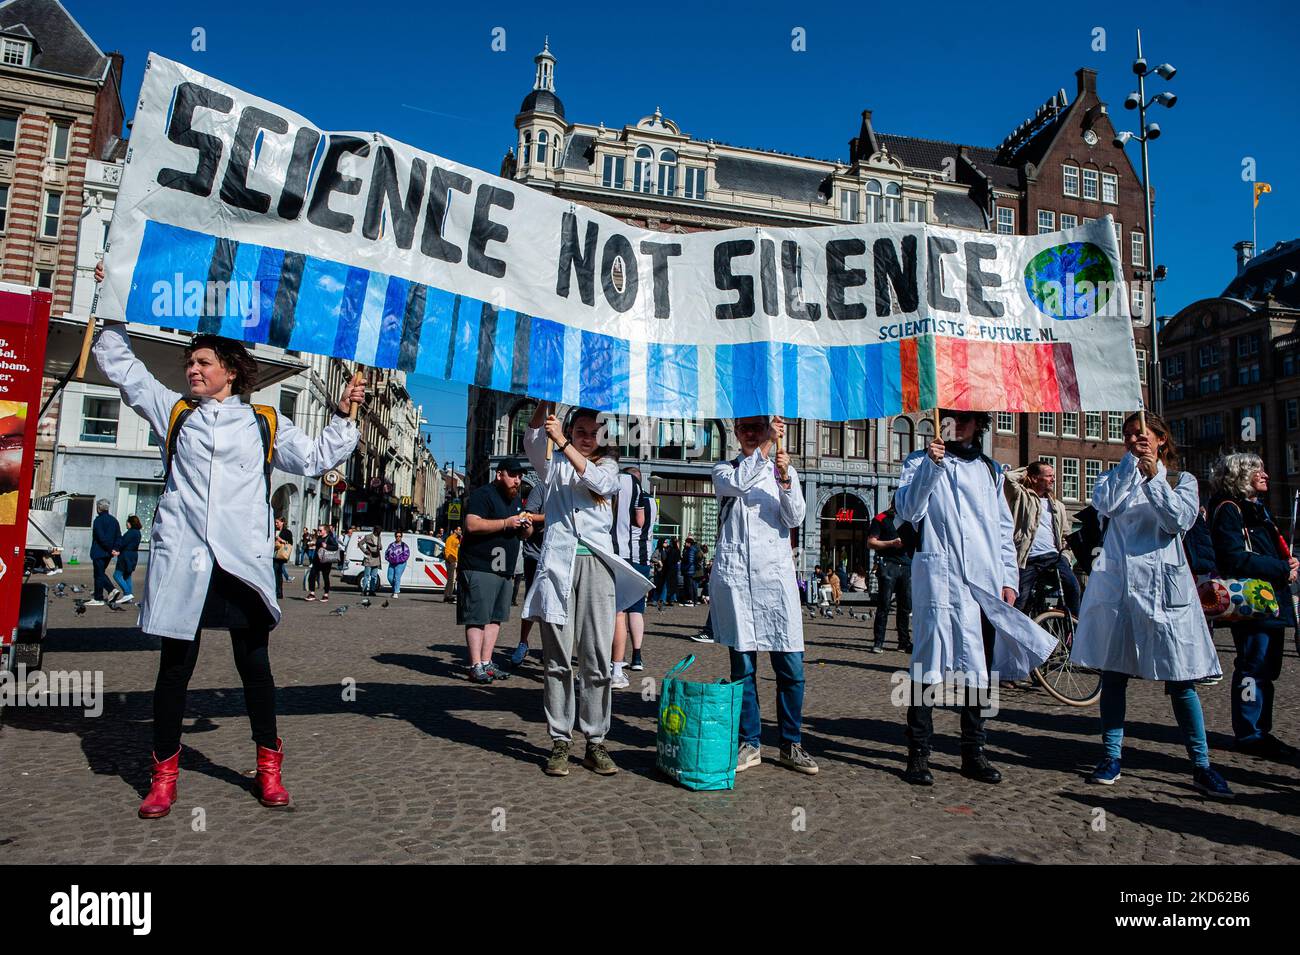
(887,528)
(499,552)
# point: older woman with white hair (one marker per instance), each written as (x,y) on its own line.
(1248,545)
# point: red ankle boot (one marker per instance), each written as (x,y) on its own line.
(270,792)
(162,788)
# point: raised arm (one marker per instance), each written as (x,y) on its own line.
(1007,536)
(141,391)
(733,480)
(297,453)
(1176,508)
(920,476)
(1114,487)
(793,507)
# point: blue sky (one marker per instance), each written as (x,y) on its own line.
(427,74)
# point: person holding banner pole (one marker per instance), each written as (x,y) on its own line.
(211,543)
(581,584)
(964,580)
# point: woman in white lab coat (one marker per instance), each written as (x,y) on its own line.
(754,597)
(964,580)
(212,542)
(581,583)
(1140,615)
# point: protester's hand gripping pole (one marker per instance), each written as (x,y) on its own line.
(358,377)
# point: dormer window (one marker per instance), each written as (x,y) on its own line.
(893,203)
(527,150)
(641,175)
(15,52)
(542,139)
(667,173)
(875,202)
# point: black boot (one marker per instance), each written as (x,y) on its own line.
(975,765)
(918,768)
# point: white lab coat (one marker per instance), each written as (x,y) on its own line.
(573,514)
(1140,614)
(967,554)
(214,506)
(753,596)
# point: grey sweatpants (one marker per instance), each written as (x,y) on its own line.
(590,630)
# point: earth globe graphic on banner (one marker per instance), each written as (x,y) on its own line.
(1070,281)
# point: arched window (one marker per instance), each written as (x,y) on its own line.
(924,433)
(641,169)
(667,173)
(526,151)
(559,152)
(900,439)
(875,202)
(542,139)
(893,203)
(519,419)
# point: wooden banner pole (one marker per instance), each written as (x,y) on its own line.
(358,378)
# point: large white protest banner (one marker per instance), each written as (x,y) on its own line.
(241,218)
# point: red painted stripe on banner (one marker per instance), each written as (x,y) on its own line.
(1067,378)
(986,392)
(1047,396)
(1009,376)
(907,358)
(958,392)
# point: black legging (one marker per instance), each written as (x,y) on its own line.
(176,666)
(319,571)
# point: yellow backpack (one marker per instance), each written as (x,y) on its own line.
(267,422)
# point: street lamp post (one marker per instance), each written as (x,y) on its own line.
(1150,131)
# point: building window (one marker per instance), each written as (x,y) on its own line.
(793,437)
(849,205)
(1006,422)
(1248,374)
(1210,384)
(1173,365)
(900,439)
(1091,471)
(1247,345)
(1092,425)
(855,435)
(1070,424)
(915,210)
(832,439)
(1071,180)
(1142,364)
(1211,426)
(60,139)
(1109,188)
(50,221)
(641,178)
(526,151)
(1070,479)
(45,278)
(15,52)
(1047,422)
(893,203)
(1090,184)
(1138,240)
(1088,221)
(695,177)
(875,202)
(99,419)
(8,132)
(667,173)
(1046,221)
(1049,460)
(542,139)
(1114,426)
(1119,236)
(1139,300)
(1068,221)
(612,177)
(1292,414)
(1293,458)
(1006,221)
(4,205)
(1208,355)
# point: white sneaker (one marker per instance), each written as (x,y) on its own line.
(619,680)
(93,603)
(748,755)
(126,598)
(113,595)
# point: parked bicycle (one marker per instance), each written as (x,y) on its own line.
(1063,679)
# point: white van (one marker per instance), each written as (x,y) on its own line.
(424,571)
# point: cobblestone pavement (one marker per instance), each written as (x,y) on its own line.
(422,766)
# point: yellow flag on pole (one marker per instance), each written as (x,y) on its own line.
(1260,189)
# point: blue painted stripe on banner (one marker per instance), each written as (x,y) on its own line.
(838,357)
(464,360)
(241,303)
(605,366)
(546,360)
(891,377)
(269,264)
(814,382)
(350,308)
(873,381)
(435,333)
(672,380)
(573,370)
(755,378)
(790,381)
(503,350)
(390,328)
(171,257)
(723,379)
(372,318)
(316,316)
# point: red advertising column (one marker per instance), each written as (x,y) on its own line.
(24,327)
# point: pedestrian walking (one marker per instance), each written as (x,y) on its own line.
(755,605)
(450,556)
(211,540)
(282,554)
(1140,616)
(328,552)
(128,555)
(371,561)
(104,535)
(397,554)
(894,543)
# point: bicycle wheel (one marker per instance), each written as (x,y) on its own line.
(1063,679)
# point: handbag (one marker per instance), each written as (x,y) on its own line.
(283,549)
(1238,599)
(698,730)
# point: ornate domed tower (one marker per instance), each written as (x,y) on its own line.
(540,124)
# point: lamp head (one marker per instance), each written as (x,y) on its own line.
(1153,131)
(1140,66)
(1166,70)
(1132,101)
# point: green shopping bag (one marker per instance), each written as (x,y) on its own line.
(699,724)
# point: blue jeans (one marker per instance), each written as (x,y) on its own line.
(370,580)
(123,582)
(789,693)
(1187,711)
(1259,659)
(103,585)
(395,576)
